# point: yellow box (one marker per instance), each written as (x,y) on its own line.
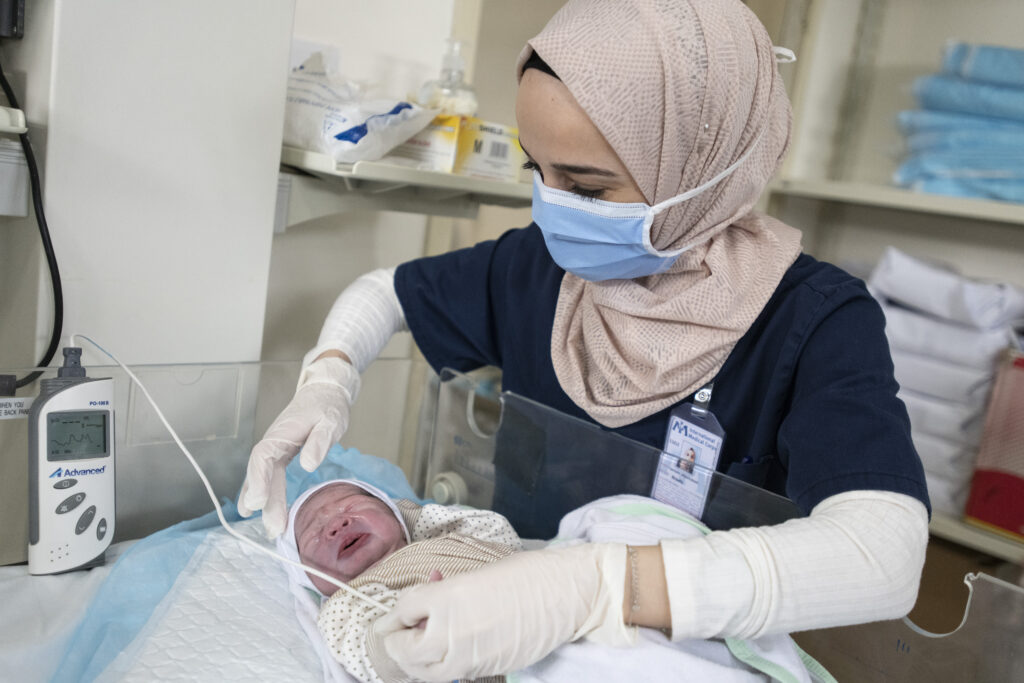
(489,150)
(464,145)
(433,148)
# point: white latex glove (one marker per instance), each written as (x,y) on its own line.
(314,420)
(510,614)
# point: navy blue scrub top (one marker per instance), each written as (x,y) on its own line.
(807,396)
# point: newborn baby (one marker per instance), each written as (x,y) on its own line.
(343,529)
(357,534)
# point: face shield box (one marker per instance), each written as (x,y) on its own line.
(464,145)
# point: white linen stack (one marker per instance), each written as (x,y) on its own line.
(946,333)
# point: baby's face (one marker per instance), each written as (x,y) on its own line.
(342,530)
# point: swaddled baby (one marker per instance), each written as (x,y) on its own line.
(357,534)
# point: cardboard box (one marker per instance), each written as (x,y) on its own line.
(463,145)
(996,500)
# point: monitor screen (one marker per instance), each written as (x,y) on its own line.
(77,435)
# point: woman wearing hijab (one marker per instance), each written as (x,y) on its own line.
(652,127)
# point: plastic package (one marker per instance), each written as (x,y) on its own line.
(988,63)
(450,93)
(326,113)
(945,294)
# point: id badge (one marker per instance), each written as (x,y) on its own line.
(690,455)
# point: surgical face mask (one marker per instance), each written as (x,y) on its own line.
(600,240)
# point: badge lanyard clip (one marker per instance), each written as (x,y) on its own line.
(701,400)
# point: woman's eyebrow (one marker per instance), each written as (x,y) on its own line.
(585,170)
(575,168)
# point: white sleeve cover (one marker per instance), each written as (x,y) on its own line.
(856,558)
(362,319)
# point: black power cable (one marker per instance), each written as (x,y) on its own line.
(44,234)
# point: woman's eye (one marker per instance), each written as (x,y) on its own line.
(586,193)
(530,166)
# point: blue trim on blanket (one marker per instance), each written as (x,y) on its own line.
(145,573)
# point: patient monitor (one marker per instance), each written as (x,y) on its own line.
(71,470)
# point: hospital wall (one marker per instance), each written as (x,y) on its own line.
(159,137)
(160,179)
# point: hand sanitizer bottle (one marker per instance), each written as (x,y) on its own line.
(451,94)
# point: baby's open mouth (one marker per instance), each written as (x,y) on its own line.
(352,544)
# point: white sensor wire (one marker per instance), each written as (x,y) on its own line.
(213,496)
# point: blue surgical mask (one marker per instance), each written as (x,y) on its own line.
(600,240)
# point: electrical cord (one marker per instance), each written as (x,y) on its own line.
(44,234)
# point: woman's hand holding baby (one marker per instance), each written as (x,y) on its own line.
(508,614)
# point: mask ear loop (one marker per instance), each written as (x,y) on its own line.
(783,55)
(689,194)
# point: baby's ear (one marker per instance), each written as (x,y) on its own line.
(435,575)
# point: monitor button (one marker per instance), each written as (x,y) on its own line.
(85,520)
(70,503)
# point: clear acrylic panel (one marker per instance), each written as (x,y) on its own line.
(534,464)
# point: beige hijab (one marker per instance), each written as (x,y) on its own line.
(681,89)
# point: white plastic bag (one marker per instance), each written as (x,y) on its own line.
(945,294)
(327,114)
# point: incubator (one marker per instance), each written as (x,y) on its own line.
(473,444)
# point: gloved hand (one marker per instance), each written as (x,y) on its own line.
(314,420)
(509,614)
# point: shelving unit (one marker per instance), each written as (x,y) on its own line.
(314,185)
(857,60)
(869,194)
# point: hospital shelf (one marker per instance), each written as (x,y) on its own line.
(857,63)
(898,198)
(970,536)
(378,185)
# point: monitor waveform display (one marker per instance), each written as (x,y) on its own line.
(76,435)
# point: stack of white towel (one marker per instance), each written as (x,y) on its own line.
(947,333)
(966,139)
